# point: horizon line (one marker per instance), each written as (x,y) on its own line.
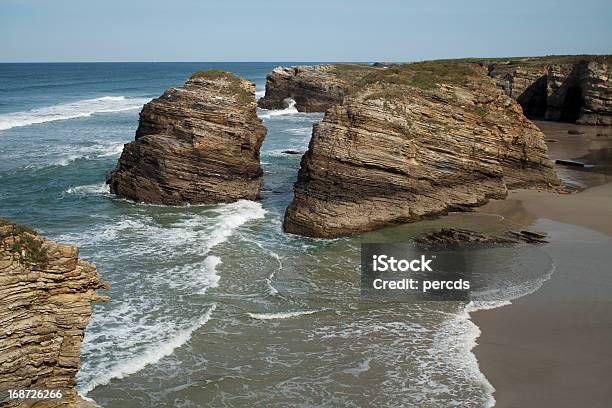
(298,61)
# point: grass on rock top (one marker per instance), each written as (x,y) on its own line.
(26,242)
(533,62)
(423,75)
(426,74)
(243,96)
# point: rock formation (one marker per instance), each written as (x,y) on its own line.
(456,237)
(197,143)
(45,304)
(314,89)
(411,141)
(559,88)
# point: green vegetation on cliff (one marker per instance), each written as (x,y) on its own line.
(25,242)
(236,84)
(423,75)
(531,62)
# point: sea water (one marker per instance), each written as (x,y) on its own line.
(214,305)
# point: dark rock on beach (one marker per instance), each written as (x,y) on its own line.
(573,163)
(197,143)
(462,237)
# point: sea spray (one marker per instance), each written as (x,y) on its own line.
(289,110)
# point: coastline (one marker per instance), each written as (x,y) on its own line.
(551,347)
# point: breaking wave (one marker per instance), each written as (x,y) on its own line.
(72,110)
(98,150)
(165,260)
(282,315)
(290,109)
(89,189)
(150,356)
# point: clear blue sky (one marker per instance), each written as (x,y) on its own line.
(293,30)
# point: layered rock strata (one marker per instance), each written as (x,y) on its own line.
(197,143)
(576,89)
(413,141)
(45,304)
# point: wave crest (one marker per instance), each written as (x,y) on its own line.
(281,315)
(151,356)
(72,110)
(289,110)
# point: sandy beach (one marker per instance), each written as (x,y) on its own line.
(552,348)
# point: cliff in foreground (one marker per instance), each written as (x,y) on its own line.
(45,304)
(197,143)
(406,142)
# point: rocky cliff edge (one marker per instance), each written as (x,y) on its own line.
(46,293)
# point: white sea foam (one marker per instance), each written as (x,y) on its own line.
(133,332)
(271,289)
(232,216)
(72,110)
(289,110)
(459,334)
(260,94)
(89,189)
(281,315)
(89,152)
(210,277)
(455,341)
(110,149)
(363,367)
(150,356)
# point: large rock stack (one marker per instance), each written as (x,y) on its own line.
(197,143)
(412,141)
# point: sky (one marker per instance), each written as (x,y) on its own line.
(293,30)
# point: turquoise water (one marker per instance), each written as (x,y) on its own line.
(215,305)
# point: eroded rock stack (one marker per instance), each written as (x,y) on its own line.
(559,88)
(45,304)
(197,143)
(412,141)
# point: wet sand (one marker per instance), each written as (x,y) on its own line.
(552,348)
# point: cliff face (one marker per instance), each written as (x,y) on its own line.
(413,141)
(45,304)
(568,89)
(198,143)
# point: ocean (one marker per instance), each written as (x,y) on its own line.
(213,305)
